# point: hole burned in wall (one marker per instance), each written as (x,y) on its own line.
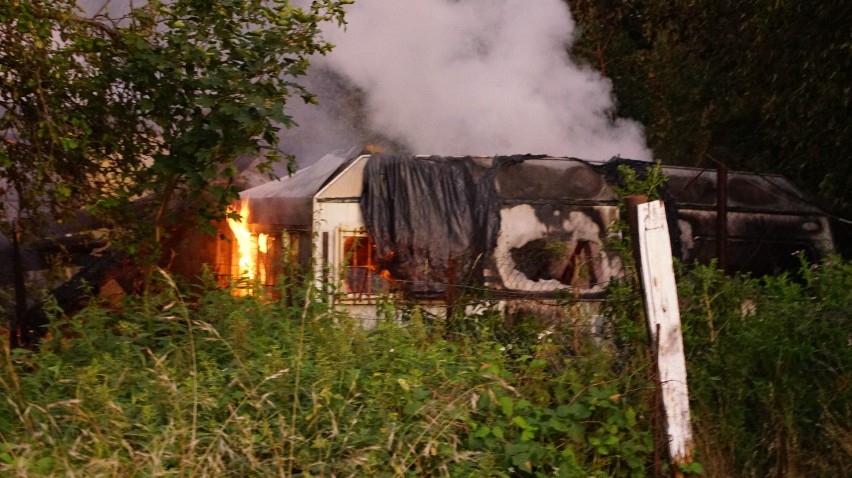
(573,263)
(255,256)
(546,248)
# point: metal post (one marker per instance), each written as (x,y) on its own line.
(722,215)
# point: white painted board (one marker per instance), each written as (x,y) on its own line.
(663,315)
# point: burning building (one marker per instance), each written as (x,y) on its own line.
(428,229)
(518,231)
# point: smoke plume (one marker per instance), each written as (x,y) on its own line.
(454,77)
(459,77)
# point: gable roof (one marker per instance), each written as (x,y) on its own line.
(288,201)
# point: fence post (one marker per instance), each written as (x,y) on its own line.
(630,203)
(656,272)
(722,215)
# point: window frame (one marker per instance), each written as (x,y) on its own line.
(350,294)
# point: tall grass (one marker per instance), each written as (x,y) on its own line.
(206,384)
(201,383)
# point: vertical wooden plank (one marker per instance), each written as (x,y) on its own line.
(19,330)
(663,315)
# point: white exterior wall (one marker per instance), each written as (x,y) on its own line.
(334,218)
(335,210)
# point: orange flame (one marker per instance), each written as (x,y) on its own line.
(247,266)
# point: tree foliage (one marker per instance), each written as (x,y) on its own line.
(763,86)
(99,112)
(61,123)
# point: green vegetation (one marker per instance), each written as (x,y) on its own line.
(207,384)
(97,112)
(197,382)
(213,385)
(115,121)
(762,86)
(770,369)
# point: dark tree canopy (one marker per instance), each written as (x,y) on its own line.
(762,86)
(98,112)
(122,118)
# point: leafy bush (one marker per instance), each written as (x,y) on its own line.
(770,370)
(208,384)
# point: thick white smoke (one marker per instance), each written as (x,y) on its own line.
(481,77)
(455,77)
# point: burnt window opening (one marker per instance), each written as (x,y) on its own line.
(291,247)
(363,275)
(583,266)
(266,254)
(573,263)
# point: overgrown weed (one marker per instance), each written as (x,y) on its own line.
(770,369)
(207,384)
(202,384)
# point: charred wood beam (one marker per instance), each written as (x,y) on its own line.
(19,322)
(74,294)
